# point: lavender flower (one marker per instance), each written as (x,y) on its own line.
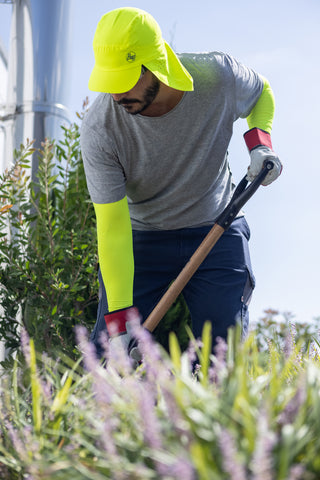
(180,469)
(219,361)
(174,413)
(312,351)
(105,344)
(231,464)
(151,428)
(17,442)
(292,408)
(289,344)
(25,345)
(119,359)
(183,469)
(262,462)
(150,424)
(297,472)
(90,360)
(191,351)
(116,358)
(220,350)
(106,438)
(151,354)
(196,371)
(93,365)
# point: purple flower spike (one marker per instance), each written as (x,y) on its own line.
(231,464)
(262,462)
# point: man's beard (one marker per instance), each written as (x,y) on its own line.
(148,97)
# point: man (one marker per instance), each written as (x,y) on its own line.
(154,146)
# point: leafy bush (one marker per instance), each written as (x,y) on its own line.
(237,417)
(177,319)
(281,327)
(48,278)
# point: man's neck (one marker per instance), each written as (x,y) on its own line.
(165,101)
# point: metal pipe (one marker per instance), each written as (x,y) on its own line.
(38,75)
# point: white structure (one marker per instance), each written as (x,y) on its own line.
(37,75)
(3,94)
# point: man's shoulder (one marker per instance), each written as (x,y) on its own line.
(97,111)
(207,63)
(207,68)
(203,58)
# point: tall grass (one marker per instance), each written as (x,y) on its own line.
(241,414)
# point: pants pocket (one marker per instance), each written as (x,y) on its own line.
(248,288)
(245,299)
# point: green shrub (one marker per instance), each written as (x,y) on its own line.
(48,247)
(281,327)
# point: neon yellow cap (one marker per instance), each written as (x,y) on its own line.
(125,39)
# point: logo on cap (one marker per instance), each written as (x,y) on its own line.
(131,56)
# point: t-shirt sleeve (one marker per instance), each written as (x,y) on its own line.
(248,87)
(104,173)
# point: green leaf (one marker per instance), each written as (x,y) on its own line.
(60,401)
(35,389)
(175,351)
(206,351)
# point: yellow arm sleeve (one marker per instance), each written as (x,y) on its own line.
(115,251)
(261,116)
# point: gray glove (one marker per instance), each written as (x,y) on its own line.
(119,329)
(260,147)
(258,156)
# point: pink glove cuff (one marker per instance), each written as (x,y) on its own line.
(118,319)
(257,137)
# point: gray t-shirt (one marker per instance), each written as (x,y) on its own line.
(173,168)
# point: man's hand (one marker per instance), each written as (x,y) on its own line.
(260,148)
(119,329)
(258,156)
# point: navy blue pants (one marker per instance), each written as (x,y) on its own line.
(219,291)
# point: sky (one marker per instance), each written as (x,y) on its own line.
(281,41)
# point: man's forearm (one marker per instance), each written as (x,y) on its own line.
(116,252)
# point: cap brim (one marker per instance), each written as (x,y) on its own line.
(120,81)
